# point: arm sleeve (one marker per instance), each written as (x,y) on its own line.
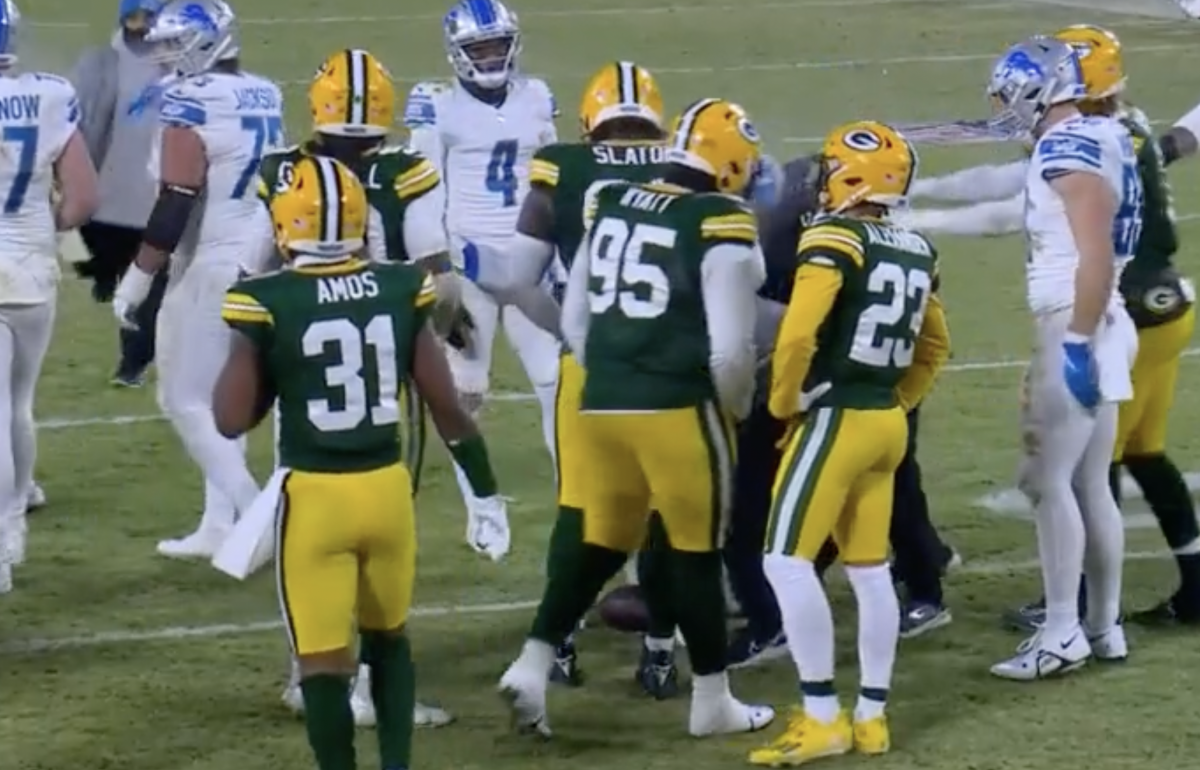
(816,288)
(421,118)
(424,224)
(376,248)
(730,275)
(974,185)
(95,80)
(575,312)
(245,313)
(986,219)
(931,353)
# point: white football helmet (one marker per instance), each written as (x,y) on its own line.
(482,42)
(1030,78)
(190,36)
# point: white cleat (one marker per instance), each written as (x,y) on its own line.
(487,527)
(293,698)
(12,540)
(201,544)
(37,499)
(360,699)
(1110,646)
(1041,657)
(1190,7)
(6,584)
(431,716)
(525,695)
(726,716)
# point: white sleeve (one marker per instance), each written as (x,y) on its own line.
(975,184)
(424,225)
(376,237)
(63,115)
(730,277)
(1191,122)
(981,219)
(576,313)
(421,116)
(522,262)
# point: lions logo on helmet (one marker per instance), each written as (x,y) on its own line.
(323,213)
(352,94)
(620,90)
(865,162)
(717,137)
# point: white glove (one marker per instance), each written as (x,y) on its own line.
(130,294)
(488,531)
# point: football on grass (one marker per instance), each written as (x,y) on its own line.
(623,609)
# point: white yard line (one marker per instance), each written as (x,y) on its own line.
(128,419)
(171,633)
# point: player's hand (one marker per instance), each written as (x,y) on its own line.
(130,294)
(125,313)
(1079,371)
(461,335)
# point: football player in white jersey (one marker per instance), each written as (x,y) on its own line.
(482,131)
(44,157)
(216,122)
(1083,218)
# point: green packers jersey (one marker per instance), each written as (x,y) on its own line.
(393,177)
(1153,291)
(866,342)
(568,170)
(337,342)
(647,342)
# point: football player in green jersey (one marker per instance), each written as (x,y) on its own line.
(331,339)
(862,340)
(620,118)
(659,311)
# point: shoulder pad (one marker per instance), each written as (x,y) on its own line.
(420,111)
(185,103)
(832,236)
(542,87)
(546,166)
(61,92)
(729,221)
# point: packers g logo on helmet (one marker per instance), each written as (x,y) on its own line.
(865,162)
(1100,58)
(718,138)
(620,90)
(352,94)
(323,213)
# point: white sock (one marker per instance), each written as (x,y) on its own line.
(878,635)
(1104,554)
(710,687)
(547,396)
(659,645)
(536,656)
(1061,541)
(808,623)
(219,512)
(221,460)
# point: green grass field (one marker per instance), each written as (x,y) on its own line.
(111,657)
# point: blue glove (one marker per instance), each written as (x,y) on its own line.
(470,255)
(1079,371)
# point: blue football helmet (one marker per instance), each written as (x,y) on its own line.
(482,42)
(10,25)
(190,36)
(1030,78)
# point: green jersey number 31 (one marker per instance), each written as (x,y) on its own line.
(638,289)
(352,343)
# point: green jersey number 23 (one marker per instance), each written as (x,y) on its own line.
(906,294)
(638,289)
(362,400)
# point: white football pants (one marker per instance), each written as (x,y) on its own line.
(1065,475)
(192,345)
(537,350)
(25,332)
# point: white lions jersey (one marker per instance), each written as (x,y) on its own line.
(39,114)
(1089,145)
(481,151)
(239,118)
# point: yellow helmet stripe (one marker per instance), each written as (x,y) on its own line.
(356,103)
(687,123)
(627,82)
(331,194)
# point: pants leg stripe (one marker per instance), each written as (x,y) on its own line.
(799,480)
(281,522)
(720,457)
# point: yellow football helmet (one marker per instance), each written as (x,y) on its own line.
(323,212)
(717,137)
(352,94)
(620,90)
(1099,57)
(865,162)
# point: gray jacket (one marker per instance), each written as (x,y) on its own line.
(118,96)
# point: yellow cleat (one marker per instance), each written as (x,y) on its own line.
(872,736)
(806,739)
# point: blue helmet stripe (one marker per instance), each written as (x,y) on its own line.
(483,11)
(4,26)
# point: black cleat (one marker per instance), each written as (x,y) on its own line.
(657,675)
(1027,618)
(566,666)
(918,618)
(1171,613)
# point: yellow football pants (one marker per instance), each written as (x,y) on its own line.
(346,555)
(1142,422)
(569,451)
(836,479)
(676,462)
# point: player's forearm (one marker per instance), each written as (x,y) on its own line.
(980,219)
(576,312)
(813,296)
(1091,208)
(974,185)
(930,355)
(1178,143)
(520,264)
(538,306)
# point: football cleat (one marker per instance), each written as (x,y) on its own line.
(872,736)
(1175,612)
(37,499)
(566,669)
(201,544)
(657,674)
(1110,646)
(1040,657)
(746,650)
(526,699)
(922,617)
(425,715)
(806,739)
